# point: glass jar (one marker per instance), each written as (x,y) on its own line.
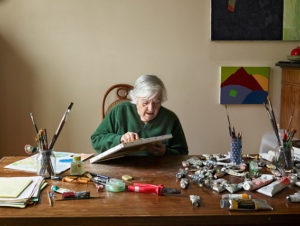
(77,167)
(285,157)
(46,163)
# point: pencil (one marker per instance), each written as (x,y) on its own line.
(49,198)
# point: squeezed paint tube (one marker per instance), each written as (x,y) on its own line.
(219,174)
(236,196)
(60,190)
(263,180)
(275,187)
(195,199)
(184,183)
(218,185)
(232,188)
(234,173)
(245,204)
(77,195)
(293,198)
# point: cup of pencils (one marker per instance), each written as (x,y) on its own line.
(236,150)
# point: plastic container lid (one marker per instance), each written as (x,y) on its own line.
(115,185)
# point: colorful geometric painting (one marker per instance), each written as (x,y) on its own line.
(291,20)
(244,85)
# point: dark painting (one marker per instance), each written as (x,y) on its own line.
(246,19)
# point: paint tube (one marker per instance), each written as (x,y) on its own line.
(234,173)
(293,198)
(232,188)
(263,180)
(60,190)
(184,183)
(275,187)
(78,195)
(195,199)
(236,196)
(219,174)
(245,204)
(218,185)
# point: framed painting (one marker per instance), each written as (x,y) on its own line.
(248,19)
(291,20)
(244,85)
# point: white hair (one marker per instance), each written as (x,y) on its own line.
(148,86)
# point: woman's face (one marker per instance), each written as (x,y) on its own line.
(148,108)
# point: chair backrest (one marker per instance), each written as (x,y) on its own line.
(121,91)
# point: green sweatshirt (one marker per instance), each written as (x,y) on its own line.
(124,118)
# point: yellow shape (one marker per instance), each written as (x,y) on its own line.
(11,187)
(127,177)
(262,81)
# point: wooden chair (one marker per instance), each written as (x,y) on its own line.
(121,91)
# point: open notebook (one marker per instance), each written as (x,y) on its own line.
(124,149)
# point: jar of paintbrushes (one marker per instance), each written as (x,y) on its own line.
(46,161)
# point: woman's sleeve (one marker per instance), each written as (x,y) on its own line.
(177,145)
(105,136)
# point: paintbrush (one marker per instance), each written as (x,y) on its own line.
(230,131)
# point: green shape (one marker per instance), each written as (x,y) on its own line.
(233,93)
(263,71)
(227,71)
(291,20)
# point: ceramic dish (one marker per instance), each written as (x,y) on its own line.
(293,58)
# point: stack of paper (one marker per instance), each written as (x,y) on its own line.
(20,191)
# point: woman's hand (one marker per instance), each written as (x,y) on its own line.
(129,137)
(156,149)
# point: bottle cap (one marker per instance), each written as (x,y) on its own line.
(224,203)
(77,158)
(248,185)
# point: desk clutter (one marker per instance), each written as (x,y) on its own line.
(201,173)
(254,175)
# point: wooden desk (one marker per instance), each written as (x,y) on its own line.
(129,208)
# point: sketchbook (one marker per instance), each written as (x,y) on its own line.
(25,189)
(124,149)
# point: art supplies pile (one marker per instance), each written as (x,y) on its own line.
(20,191)
(207,172)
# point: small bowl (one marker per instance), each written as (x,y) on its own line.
(294,58)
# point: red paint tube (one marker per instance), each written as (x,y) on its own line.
(275,187)
(263,180)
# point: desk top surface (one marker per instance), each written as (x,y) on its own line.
(130,207)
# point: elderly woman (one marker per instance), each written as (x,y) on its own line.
(143,117)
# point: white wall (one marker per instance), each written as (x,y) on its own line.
(53,52)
